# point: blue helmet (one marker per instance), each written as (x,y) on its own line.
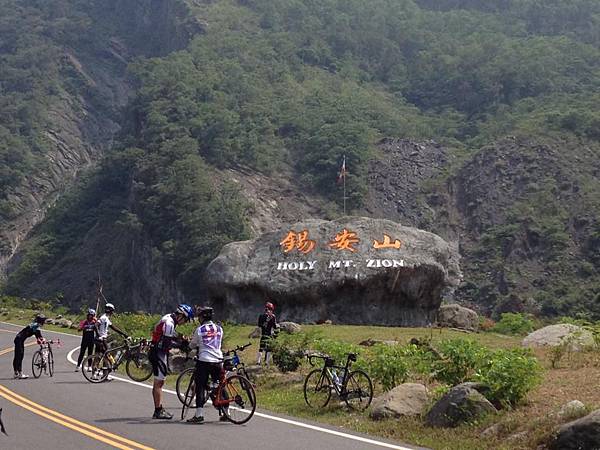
(186,310)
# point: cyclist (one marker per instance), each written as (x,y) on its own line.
(104,324)
(207,338)
(164,338)
(30,330)
(267,323)
(89,327)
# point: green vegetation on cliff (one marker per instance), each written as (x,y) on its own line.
(299,83)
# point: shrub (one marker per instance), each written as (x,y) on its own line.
(388,365)
(510,374)
(514,324)
(486,324)
(289,349)
(460,358)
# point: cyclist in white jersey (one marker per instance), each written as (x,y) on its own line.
(207,337)
(104,324)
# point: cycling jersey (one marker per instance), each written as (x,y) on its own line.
(28,331)
(88,327)
(207,338)
(267,323)
(164,333)
(103,324)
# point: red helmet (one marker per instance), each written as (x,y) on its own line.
(270,306)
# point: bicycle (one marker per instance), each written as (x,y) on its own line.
(355,388)
(234,396)
(98,366)
(43,359)
(231,359)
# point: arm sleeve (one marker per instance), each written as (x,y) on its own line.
(38,333)
(261,320)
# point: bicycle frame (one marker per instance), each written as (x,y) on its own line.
(327,373)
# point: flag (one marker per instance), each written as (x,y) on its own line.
(342,174)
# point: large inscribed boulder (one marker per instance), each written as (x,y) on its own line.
(353,270)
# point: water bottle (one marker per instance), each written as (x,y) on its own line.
(335,377)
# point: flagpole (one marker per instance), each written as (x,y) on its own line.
(344,165)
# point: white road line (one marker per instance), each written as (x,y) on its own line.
(267,416)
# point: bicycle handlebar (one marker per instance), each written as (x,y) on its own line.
(351,356)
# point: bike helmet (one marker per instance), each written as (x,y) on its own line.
(270,306)
(40,318)
(91,312)
(109,307)
(185,310)
(206,312)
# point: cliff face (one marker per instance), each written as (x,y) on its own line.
(81,125)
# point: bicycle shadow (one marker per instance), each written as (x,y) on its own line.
(150,421)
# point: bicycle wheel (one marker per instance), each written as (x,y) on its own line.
(359,390)
(317,389)
(50,363)
(183,380)
(242,399)
(190,395)
(96,368)
(37,364)
(139,367)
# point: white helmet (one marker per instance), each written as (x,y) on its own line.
(91,312)
(109,307)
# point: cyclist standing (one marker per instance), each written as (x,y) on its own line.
(164,337)
(89,327)
(104,324)
(267,323)
(207,338)
(30,330)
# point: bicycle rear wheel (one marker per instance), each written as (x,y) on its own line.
(96,368)
(139,367)
(188,399)
(359,390)
(317,389)
(50,363)
(37,364)
(242,399)
(183,380)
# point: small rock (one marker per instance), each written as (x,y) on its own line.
(520,436)
(554,335)
(290,327)
(328,322)
(460,405)
(405,400)
(456,316)
(572,410)
(580,434)
(492,431)
(255,333)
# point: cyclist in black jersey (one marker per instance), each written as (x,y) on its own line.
(30,330)
(89,327)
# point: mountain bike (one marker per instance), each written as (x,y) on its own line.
(98,366)
(43,359)
(230,360)
(233,396)
(355,388)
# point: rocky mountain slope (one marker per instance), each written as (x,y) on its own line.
(163,158)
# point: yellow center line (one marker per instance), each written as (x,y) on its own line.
(69,422)
(8,350)
(74,424)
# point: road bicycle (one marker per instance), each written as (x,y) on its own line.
(98,366)
(231,359)
(353,387)
(234,395)
(43,359)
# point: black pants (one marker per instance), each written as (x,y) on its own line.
(87,344)
(19,354)
(203,371)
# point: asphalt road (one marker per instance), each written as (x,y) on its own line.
(67,412)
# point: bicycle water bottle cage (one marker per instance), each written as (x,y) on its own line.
(329,362)
(228,363)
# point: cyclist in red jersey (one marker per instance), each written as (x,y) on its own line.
(164,337)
